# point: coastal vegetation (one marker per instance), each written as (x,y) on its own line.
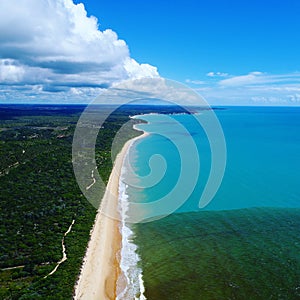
(40,198)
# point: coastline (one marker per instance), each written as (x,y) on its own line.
(101,265)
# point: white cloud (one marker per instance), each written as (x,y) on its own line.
(251,78)
(259,78)
(138,71)
(156,89)
(10,73)
(254,88)
(217,74)
(197,82)
(295,98)
(54,43)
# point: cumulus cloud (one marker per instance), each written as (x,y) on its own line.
(151,90)
(138,71)
(10,72)
(54,43)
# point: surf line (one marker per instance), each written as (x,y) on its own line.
(130,284)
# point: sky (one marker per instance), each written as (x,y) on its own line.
(231,52)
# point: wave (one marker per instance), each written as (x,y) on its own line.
(130,284)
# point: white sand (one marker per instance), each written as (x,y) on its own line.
(99,274)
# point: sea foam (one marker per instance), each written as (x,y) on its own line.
(130,284)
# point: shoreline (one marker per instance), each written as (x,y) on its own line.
(101,264)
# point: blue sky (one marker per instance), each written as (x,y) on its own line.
(187,39)
(231,52)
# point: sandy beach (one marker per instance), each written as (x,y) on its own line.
(100,270)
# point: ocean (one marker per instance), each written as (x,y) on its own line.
(244,242)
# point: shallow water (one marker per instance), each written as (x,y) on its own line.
(263,158)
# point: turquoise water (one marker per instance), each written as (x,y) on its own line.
(263,158)
(245,243)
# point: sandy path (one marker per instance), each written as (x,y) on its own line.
(64,254)
(101,268)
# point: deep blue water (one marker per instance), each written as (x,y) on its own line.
(262,166)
